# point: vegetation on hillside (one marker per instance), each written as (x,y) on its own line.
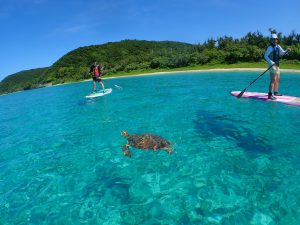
(134,55)
(24,80)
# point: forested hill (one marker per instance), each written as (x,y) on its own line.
(114,57)
(24,80)
(136,55)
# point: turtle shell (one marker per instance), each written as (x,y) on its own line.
(147,141)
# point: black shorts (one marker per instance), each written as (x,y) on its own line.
(97,79)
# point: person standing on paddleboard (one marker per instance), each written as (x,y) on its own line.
(95,71)
(272,56)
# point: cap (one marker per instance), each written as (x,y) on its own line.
(274,36)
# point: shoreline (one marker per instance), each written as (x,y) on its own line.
(185,71)
(175,72)
(202,70)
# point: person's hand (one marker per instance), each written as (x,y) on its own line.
(289,49)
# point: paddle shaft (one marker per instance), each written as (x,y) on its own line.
(242,92)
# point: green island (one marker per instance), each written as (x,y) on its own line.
(132,57)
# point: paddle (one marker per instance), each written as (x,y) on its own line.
(242,92)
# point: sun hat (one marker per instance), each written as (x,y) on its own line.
(274,36)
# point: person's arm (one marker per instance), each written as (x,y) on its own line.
(282,52)
(266,55)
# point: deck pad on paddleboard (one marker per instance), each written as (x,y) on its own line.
(100,93)
(290,100)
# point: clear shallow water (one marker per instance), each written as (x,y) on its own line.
(235,161)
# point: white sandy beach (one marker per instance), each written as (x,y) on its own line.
(192,71)
(206,70)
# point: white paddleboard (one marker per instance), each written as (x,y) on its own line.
(100,93)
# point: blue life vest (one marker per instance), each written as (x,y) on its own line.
(275,55)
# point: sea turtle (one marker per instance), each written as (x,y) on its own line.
(145,142)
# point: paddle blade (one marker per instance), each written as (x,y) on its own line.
(241,93)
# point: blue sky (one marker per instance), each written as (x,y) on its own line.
(36,33)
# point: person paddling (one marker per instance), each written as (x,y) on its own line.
(272,56)
(96,73)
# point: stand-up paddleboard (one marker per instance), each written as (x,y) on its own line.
(290,100)
(99,93)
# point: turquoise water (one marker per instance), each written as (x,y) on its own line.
(236,161)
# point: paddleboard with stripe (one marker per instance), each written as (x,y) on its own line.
(290,100)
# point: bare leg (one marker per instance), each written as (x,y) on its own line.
(272,82)
(94,86)
(276,83)
(102,85)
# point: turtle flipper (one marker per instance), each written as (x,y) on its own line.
(126,150)
(169,149)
